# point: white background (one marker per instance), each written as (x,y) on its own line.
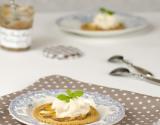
(20,69)
(69,5)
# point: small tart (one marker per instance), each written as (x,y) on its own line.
(93,27)
(46,114)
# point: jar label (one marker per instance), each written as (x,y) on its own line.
(12,38)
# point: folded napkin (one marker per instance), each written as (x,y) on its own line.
(140,109)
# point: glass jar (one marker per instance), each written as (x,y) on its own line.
(16,26)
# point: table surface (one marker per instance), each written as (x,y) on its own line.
(20,69)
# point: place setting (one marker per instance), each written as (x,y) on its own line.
(59,99)
(56,99)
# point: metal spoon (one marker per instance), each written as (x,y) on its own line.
(127,73)
(120,59)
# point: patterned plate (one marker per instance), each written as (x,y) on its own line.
(72,24)
(22,106)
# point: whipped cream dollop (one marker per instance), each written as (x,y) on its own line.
(106,21)
(73,108)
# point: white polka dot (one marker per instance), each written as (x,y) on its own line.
(123,104)
(140,103)
(134,115)
(136,97)
(46,82)
(65,86)
(84,89)
(135,108)
(116,94)
(71,82)
(128,98)
(132,103)
(73,86)
(101,87)
(104,91)
(119,99)
(57,86)
(112,90)
(153,106)
(93,88)
(145,97)
(4,103)
(81,85)
(4,117)
(63,82)
(157,110)
(127,108)
(124,94)
(148,101)
(157,100)
(141,121)
(49,86)
(148,112)
(144,107)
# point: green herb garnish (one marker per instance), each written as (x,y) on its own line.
(107,11)
(70,95)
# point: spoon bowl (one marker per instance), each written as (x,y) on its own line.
(120,72)
(116,59)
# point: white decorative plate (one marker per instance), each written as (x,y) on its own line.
(72,24)
(22,106)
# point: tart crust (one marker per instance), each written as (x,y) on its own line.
(93,27)
(46,114)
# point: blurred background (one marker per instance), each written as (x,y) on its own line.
(70,5)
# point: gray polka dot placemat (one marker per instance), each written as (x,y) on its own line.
(140,109)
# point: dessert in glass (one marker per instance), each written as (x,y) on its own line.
(69,108)
(104,20)
(15,26)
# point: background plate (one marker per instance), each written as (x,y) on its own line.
(72,24)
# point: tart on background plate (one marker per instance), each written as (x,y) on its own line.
(104,20)
(66,107)
(102,23)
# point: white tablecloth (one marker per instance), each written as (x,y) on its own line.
(20,69)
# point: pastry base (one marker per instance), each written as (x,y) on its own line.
(93,27)
(45,114)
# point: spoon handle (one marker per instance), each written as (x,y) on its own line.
(139,69)
(153,80)
(150,79)
(142,70)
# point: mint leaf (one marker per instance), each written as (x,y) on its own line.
(78,93)
(70,95)
(107,11)
(69,92)
(63,97)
